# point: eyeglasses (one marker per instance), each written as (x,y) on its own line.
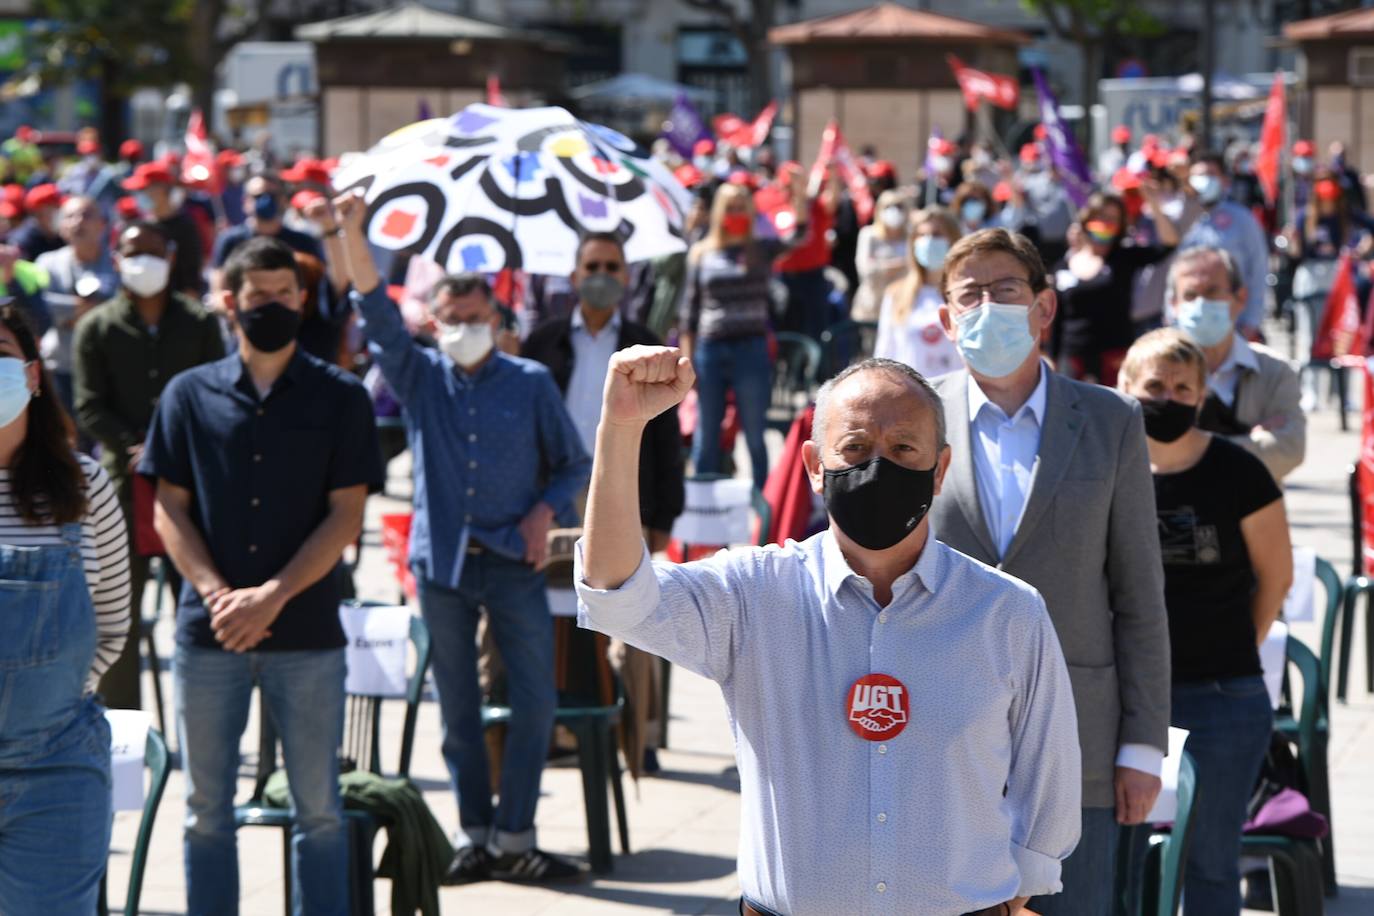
(1006,289)
(595,267)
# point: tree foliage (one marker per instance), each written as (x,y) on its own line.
(123,44)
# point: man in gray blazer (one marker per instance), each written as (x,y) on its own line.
(1050,482)
(1253,395)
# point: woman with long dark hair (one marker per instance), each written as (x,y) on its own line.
(64,614)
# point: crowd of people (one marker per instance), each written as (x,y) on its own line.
(1055,467)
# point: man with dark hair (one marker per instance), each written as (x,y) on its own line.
(163,200)
(266,203)
(263,462)
(1212,220)
(496,461)
(1050,482)
(123,354)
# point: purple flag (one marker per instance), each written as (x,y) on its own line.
(1063,150)
(684,126)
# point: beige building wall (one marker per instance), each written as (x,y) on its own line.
(1345,114)
(355,119)
(896,122)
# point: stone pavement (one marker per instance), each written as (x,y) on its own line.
(683,823)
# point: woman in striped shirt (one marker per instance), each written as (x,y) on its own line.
(64,614)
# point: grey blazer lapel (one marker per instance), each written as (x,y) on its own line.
(1062,426)
(959,481)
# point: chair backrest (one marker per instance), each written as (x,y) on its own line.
(1309,711)
(363,714)
(796,369)
(1335,591)
(156,761)
(1356,536)
(1175,850)
(847,341)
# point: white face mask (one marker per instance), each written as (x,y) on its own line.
(15,393)
(144,274)
(893,217)
(466,344)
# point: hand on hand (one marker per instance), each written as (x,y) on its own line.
(1136,792)
(643,382)
(350,209)
(321,214)
(241,617)
(534,528)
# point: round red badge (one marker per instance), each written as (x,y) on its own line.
(878,707)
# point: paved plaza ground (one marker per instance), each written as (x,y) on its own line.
(683,822)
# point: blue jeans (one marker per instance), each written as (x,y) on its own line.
(740,363)
(1229,723)
(304,694)
(1089,872)
(512,592)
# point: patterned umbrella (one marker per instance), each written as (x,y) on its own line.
(491,188)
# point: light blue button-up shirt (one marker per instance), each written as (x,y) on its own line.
(586,385)
(1004,450)
(975,802)
(1230,226)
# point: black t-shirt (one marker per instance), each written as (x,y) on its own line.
(1095,314)
(1208,579)
(188,265)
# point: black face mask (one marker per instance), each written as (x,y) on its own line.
(270,326)
(1167,421)
(878,502)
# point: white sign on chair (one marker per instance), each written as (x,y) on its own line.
(1300,603)
(376,652)
(1166,805)
(717,512)
(128,745)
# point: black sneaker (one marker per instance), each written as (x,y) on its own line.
(534,866)
(470,864)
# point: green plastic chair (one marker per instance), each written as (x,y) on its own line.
(361,746)
(1167,858)
(1357,586)
(1296,864)
(156,762)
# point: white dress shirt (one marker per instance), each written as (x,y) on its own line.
(1227,376)
(1005,451)
(975,802)
(591,361)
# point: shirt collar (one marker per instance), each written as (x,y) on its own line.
(236,372)
(1240,357)
(928,572)
(580,323)
(1035,404)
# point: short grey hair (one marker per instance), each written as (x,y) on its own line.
(891,367)
(1189,256)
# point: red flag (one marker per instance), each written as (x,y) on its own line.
(198,166)
(737,132)
(1271,140)
(726,126)
(1002,91)
(1339,335)
(494,96)
(835,152)
(1364,474)
(758,131)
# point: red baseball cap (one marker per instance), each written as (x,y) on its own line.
(43,195)
(1121,134)
(942,147)
(1123,179)
(131,150)
(88,147)
(688,175)
(1030,152)
(790,167)
(149,173)
(302,199)
(23,133)
(127,207)
(1039,132)
(1303,148)
(1327,189)
(1001,192)
(882,169)
(704,147)
(10,211)
(13,193)
(310,171)
(741,177)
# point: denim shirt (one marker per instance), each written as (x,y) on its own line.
(487,447)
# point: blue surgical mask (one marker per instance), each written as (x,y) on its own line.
(973,211)
(994,338)
(1208,188)
(265,206)
(1207,321)
(930,251)
(14,389)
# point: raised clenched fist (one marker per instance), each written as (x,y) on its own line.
(643,382)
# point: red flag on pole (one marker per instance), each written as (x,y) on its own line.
(739,133)
(1002,91)
(835,152)
(1271,140)
(198,165)
(1340,332)
(1364,473)
(494,96)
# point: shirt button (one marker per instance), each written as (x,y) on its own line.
(261,411)
(882,887)
(471,491)
(882,749)
(255,502)
(472,437)
(472,465)
(467,518)
(882,817)
(472,411)
(252,548)
(257,456)
(152,373)
(882,618)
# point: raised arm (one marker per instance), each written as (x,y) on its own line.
(641,384)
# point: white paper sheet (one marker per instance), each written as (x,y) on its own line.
(1273,656)
(128,744)
(717,512)
(1166,806)
(376,653)
(1300,602)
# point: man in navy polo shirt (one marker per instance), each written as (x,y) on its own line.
(263,463)
(496,460)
